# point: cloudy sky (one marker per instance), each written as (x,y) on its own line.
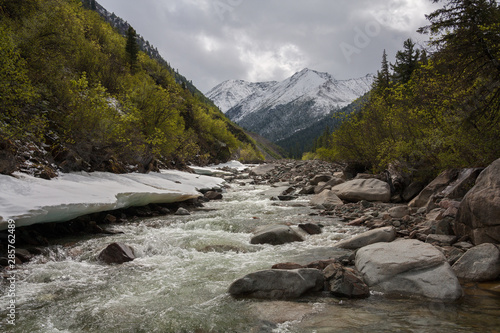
(210,41)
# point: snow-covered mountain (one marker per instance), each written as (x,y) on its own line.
(276,110)
(229,93)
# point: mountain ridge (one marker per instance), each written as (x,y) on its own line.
(276,110)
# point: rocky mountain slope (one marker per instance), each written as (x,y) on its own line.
(276,110)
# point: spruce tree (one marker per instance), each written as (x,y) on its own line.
(406,62)
(469,30)
(465,34)
(383,76)
(132,47)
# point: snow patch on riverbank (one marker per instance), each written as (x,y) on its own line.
(29,200)
(215,170)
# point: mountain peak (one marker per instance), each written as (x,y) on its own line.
(276,110)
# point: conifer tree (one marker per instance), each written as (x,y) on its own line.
(132,47)
(406,62)
(383,76)
(468,28)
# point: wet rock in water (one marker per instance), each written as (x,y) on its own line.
(386,234)
(213,195)
(345,282)
(287,265)
(327,199)
(311,228)
(306,190)
(278,284)
(182,212)
(480,263)
(479,213)
(408,267)
(363,189)
(117,253)
(276,235)
(286,197)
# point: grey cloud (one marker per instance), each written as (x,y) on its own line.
(210,41)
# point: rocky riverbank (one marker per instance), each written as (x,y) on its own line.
(449,230)
(427,237)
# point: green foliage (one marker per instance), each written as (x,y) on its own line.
(90,118)
(17,93)
(442,111)
(249,155)
(66,72)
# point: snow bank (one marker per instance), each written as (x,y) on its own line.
(216,169)
(29,200)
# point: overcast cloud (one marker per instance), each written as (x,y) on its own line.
(210,41)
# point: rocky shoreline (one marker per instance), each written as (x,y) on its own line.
(424,231)
(425,247)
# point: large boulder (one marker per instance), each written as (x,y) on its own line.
(117,253)
(479,212)
(386,234)
(323,178)
(278,283)
(276,235)
(363,189)
(480,263)
(452,184)
(408,267)
(327,199)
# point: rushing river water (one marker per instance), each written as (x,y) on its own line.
(179,281)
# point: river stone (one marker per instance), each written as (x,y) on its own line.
(344,282)
(442,240)
(408,267)
(479,213)
(310,228)
(276,235)
(452,183)
(307,190)
(328,185)
(327,199)
(398,212)
(262,170)
(480,263)
(213,195)
(412,190)
(117,253)
(278,284)
(323,178)
(386,234)
(363,189)
(182,212)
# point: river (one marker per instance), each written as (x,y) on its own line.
(185,264)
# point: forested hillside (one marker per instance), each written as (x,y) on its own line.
(436,108)
(77,95)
